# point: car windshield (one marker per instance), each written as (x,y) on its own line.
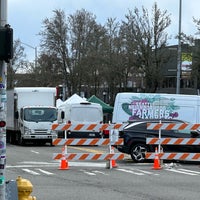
(40,114)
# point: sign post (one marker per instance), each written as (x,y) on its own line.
(3,22)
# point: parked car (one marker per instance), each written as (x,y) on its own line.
(135,134)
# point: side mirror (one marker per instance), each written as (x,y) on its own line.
(16,115)
(62,114)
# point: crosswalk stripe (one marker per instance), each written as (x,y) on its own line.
(145,172)
(99,172)
(30,171)
(186,170)
(130,171)
(89,173)
(181,172)
(45,172)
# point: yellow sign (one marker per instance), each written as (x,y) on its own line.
(186,57)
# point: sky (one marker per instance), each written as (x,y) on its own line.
(26,16)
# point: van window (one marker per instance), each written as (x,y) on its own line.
(86,115)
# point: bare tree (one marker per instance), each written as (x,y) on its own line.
(92,57)
(17,64)
(54,42)
(195,54)
(150,38)
(86,41)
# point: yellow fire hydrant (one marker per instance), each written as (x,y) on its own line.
(24,189)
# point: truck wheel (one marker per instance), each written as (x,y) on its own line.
(20,140)
(12,138)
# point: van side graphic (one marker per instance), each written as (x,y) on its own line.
(151,107)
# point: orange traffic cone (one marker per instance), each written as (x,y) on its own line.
(114,164)
(156,164)
(64,163)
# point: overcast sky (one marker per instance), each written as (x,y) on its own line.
(26,16)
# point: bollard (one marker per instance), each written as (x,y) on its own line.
(24,189)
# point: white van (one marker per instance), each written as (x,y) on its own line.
(80,113)
(133,106)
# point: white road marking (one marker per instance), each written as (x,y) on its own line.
(30,171)
(45,172)
(89,173)
(99,172)
(186,170)
(181,172)
(130,171)
(146,172)
(36,152)
(37,163)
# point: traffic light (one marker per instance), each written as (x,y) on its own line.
(6,43)
(2,124)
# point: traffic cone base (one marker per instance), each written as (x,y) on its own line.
(64,164)
(111,164)
(114,164)
(156,164)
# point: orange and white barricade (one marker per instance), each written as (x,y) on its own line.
(86,127)
(114,140)
(175,156)
(172,126)
(173,141)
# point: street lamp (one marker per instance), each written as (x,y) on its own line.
(179,52)
(35,48)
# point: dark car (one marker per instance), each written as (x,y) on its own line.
(135,134)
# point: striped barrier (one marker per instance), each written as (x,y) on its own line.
(90,156)
(175,156)
(85,141)
(86,127)
(172,126)
(173,141)
(113,140)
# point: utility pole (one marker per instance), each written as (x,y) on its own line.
(179,52)
(3,22)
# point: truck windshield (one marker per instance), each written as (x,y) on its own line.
(40,114)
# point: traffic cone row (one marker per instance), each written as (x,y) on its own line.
(156,164)
(64,163)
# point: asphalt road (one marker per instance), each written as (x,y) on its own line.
(93,181)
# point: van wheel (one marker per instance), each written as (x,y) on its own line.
(138,152)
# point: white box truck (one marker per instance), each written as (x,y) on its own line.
(76,110)
(31,112)
(133,106)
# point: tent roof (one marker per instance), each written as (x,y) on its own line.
(106,108)
(71,100)
(75,98)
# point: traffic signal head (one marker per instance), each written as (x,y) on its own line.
(6,43)
(2,124)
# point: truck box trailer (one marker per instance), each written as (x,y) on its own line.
(31,112)
(134,106)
